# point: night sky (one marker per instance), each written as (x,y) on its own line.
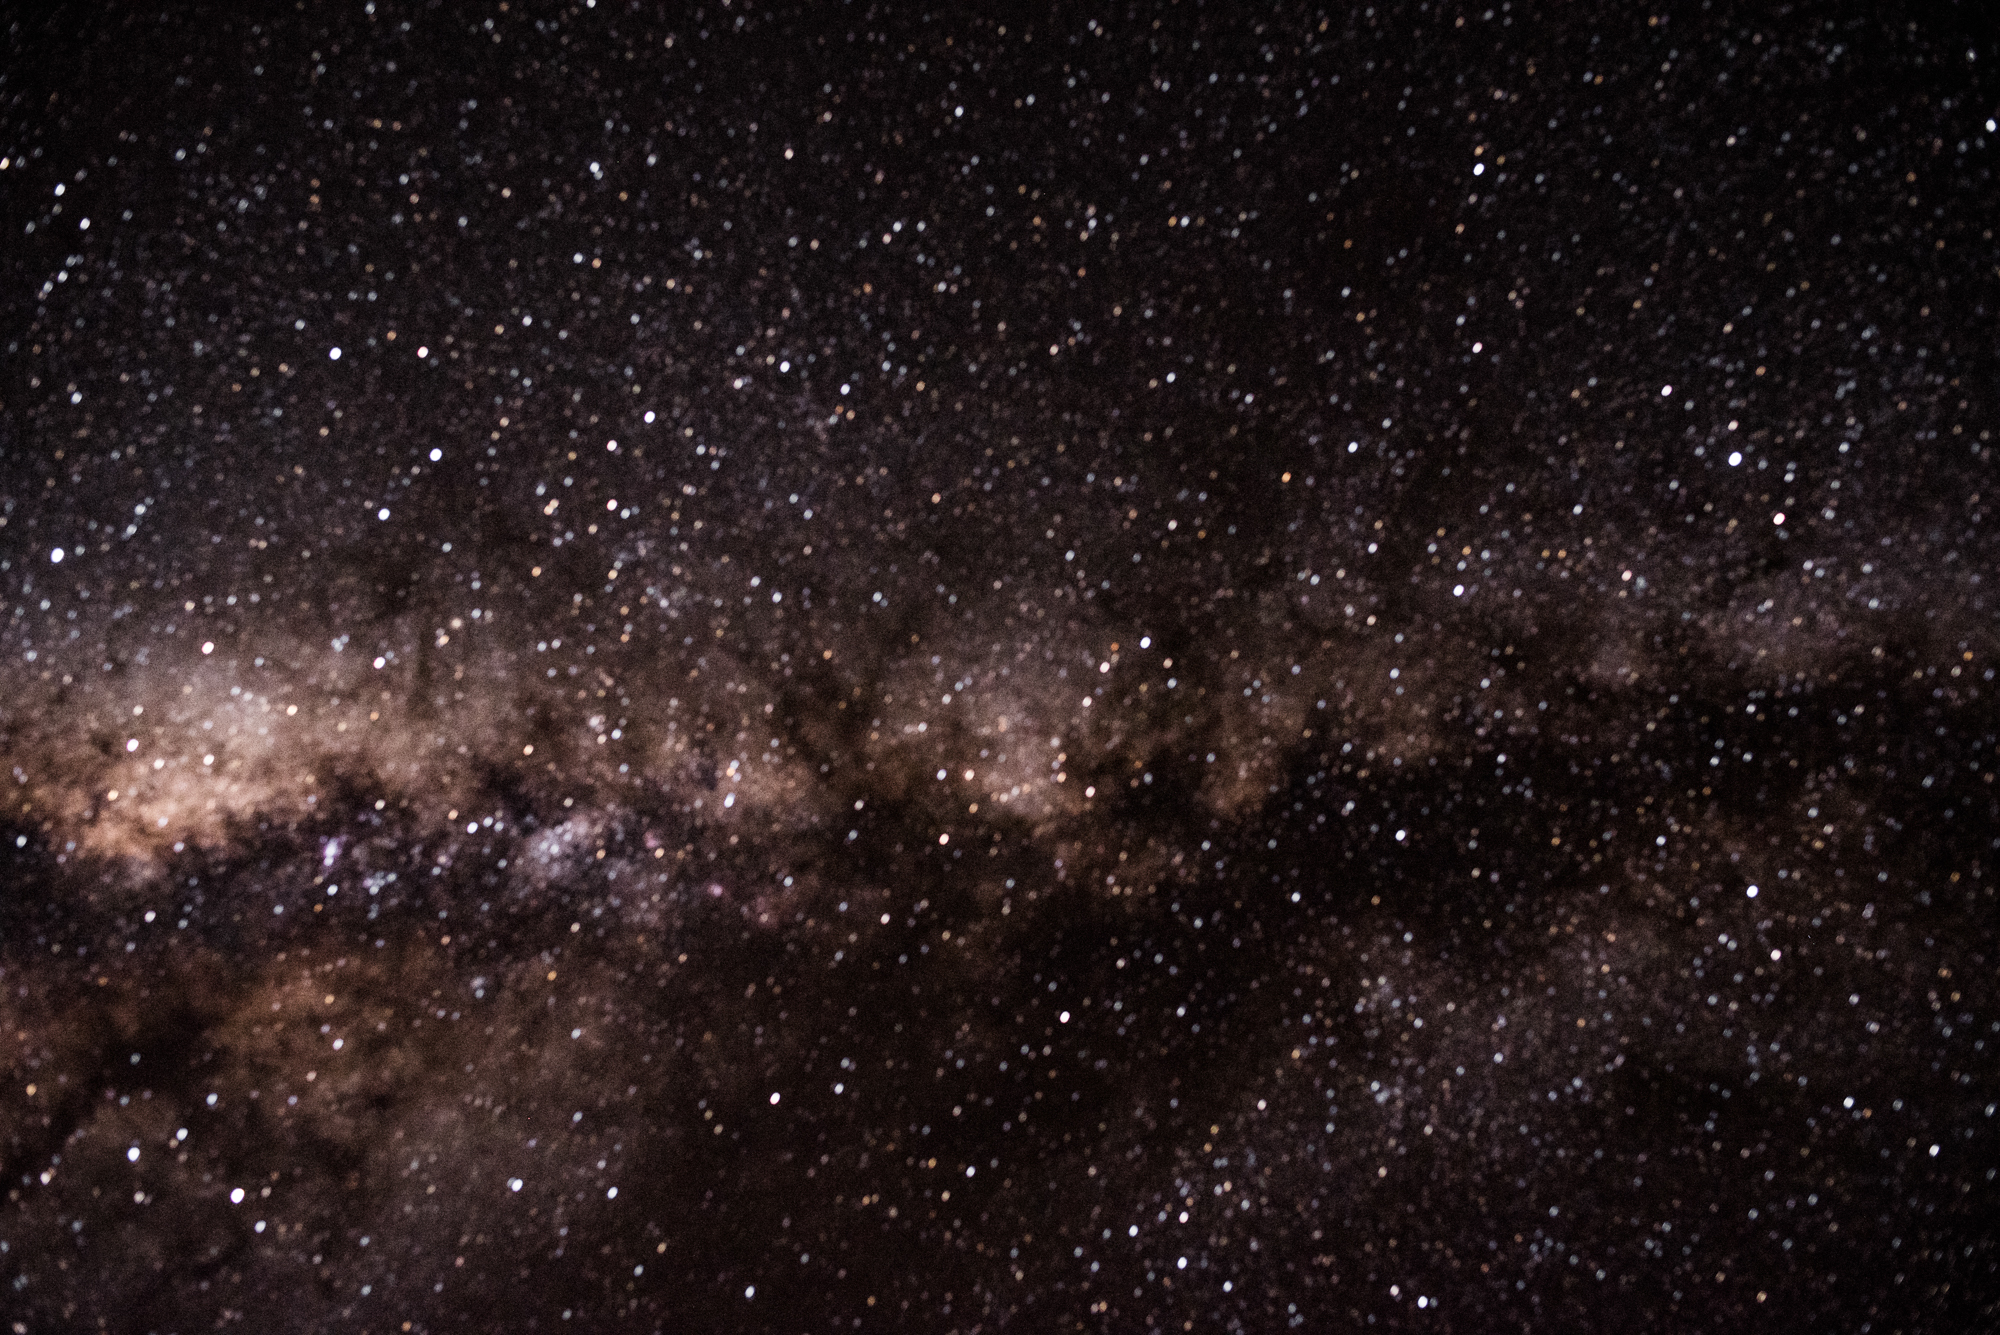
(843,667)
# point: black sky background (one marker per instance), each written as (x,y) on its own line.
(852,667)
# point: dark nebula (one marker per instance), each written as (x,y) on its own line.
(846,667)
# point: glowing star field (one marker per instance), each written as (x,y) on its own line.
(830,669)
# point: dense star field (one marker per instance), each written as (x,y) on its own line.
(844,667)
